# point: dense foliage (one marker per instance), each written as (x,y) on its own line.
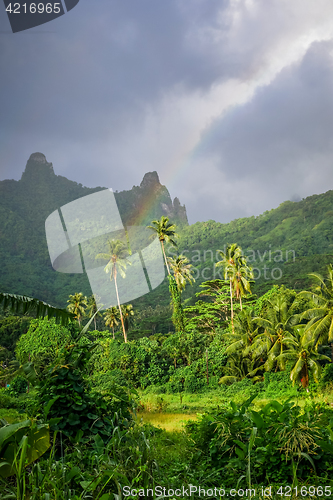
(254,356)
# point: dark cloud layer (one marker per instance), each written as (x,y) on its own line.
(114,89)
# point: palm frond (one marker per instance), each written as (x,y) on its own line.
(26,305)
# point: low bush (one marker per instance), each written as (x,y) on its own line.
(279,385)
(6,401)
(274,445)
(327,375)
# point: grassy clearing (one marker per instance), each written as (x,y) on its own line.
(168,421)
(182,403)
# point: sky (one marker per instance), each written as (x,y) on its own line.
(230,101)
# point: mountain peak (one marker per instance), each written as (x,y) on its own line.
(38,157)
(150,180)
(37,167)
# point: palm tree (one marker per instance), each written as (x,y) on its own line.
(77,304)
(305,359)
(166,232)
(182,271)
(241,283)
(229,262)
(279,333)
(92,308)
(128,314)
(320,326)
(111,318)
(245,334)
(117,262)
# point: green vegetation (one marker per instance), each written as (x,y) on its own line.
(251,374)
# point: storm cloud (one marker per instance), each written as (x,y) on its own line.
(229,100)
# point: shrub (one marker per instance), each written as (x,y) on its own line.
(279,384)
(65,396)
(278,440)
(17,386)
(6,401)
(42,343)
(327,374)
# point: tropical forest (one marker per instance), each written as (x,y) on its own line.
(217,383)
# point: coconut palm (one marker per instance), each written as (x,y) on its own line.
(278,335)
(239,367)
(320,327)
(111,318)
(128,314)
(182,271)
(228,261)
(241,281)
(77,304)
(117,262)
(92,308)
(305,359)
(246,330)
(166,232)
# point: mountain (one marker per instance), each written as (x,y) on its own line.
(283,245)
(26,204)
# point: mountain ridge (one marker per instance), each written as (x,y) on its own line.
(302,228)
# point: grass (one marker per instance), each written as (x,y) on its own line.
(167,421)
(182,403)
(12,416)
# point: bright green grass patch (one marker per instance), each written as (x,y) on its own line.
(12,416)
(168,421)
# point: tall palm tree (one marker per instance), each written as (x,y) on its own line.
(128,314)
(166,232)
(242,276)
(182,271)
(111,318)
(320,326)
(92,308)
(77,304)
(117,262)
(229,260)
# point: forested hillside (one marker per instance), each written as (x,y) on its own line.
(282,245)
(26,204)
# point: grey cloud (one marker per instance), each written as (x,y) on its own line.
(278,144)
(80,91)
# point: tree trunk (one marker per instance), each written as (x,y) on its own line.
(121,314)
(207,367)
(166,262)
(232,308)
(112,331)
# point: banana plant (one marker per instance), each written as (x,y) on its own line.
(26,305)
(21,444)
